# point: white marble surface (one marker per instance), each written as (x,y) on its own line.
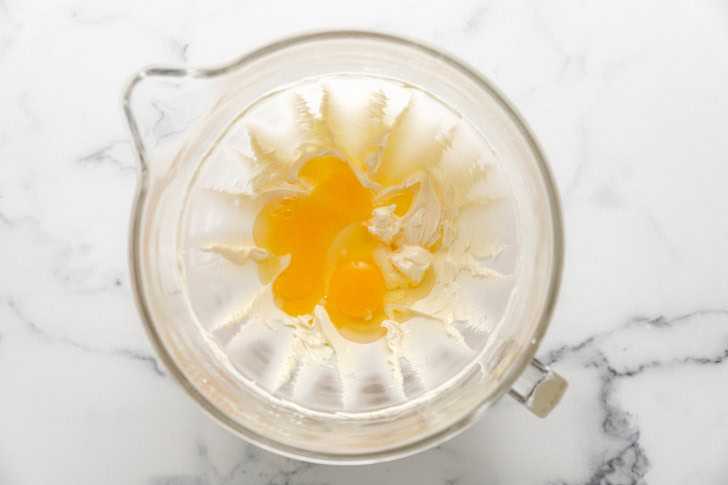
(630,101)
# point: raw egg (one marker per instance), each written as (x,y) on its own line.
(330,249)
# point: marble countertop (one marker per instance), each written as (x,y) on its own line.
(630,102)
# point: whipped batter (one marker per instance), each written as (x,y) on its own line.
(447,257)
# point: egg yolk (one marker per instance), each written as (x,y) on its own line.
(330,249)
(357,289)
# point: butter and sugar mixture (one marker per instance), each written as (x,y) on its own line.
(350,244)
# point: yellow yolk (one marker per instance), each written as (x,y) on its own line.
(357,289)
(330,249)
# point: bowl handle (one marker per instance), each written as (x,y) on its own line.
(163,104)
(539,388)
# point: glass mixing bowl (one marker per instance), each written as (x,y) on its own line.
(176,114)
